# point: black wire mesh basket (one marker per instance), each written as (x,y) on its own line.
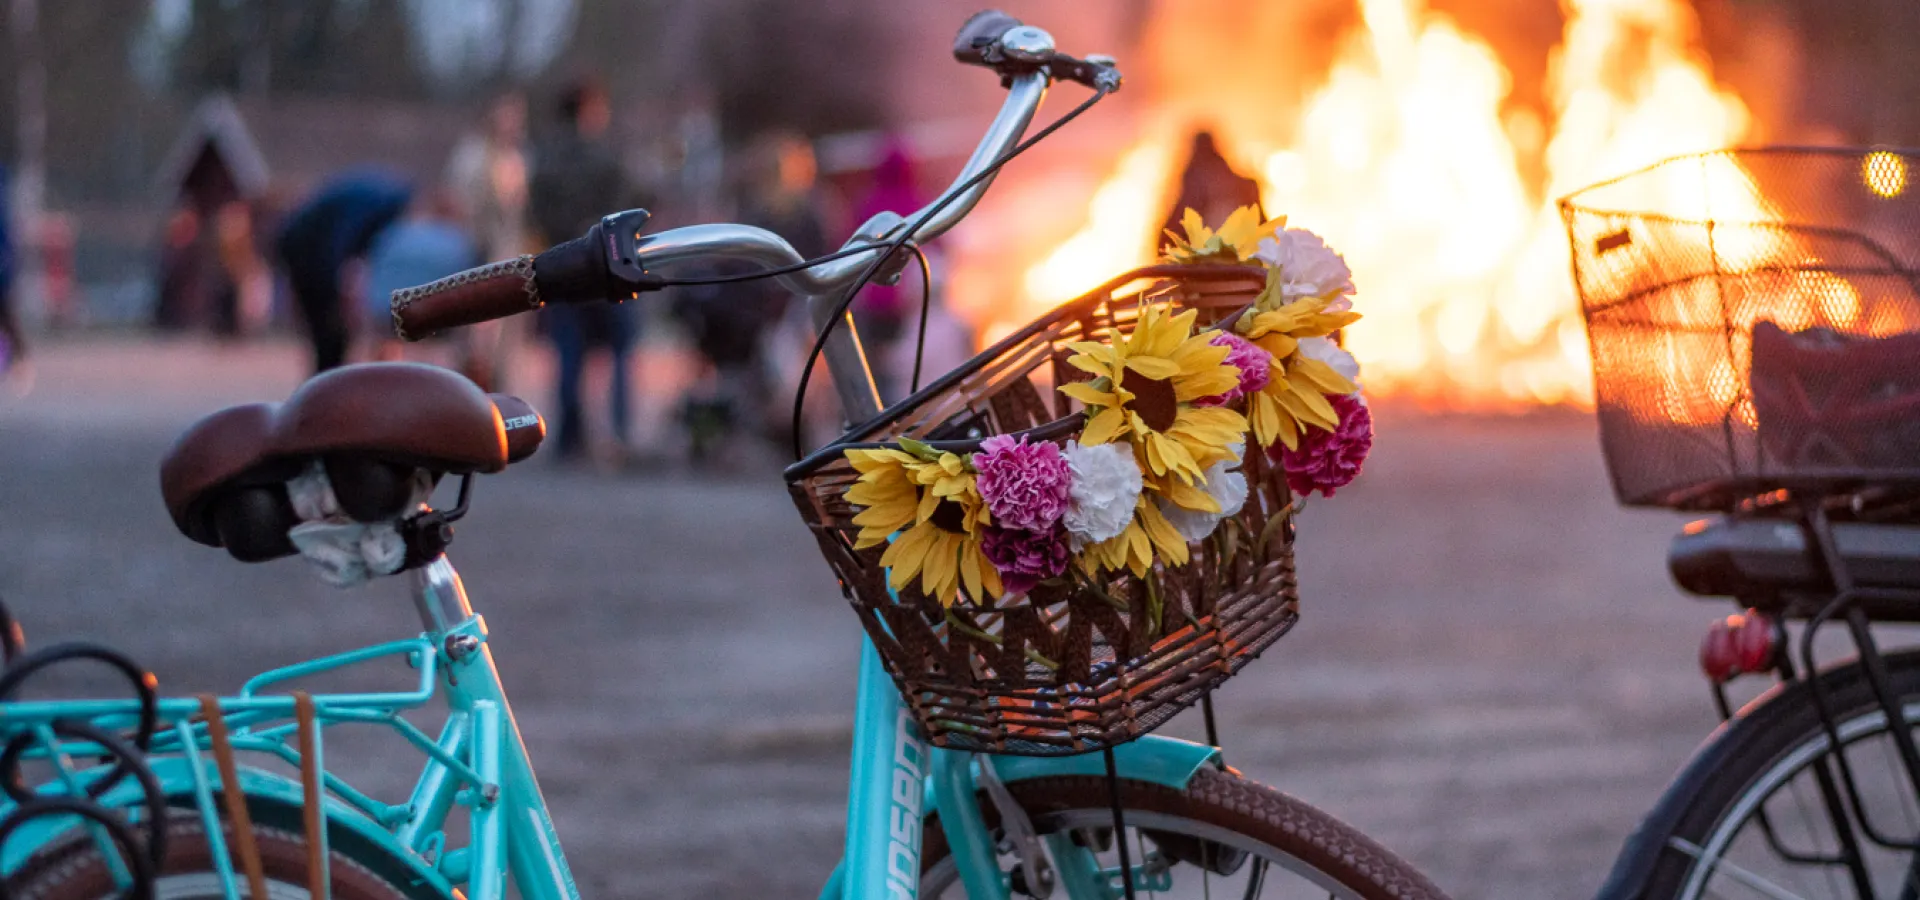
(1754,317)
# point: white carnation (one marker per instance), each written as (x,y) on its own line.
(1227,487)
(1106,485)
(1326,351)
(1308,267)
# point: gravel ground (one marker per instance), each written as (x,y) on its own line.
(1493,674)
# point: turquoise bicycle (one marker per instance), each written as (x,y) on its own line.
(232,797)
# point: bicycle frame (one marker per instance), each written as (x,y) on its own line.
(479,760)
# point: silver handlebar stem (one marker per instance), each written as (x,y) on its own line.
(823,285)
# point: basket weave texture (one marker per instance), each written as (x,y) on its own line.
(1070,667)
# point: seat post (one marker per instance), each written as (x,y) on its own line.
(439,596)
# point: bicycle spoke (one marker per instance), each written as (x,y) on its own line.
(1737,873)
(1256,879)
(1906,791)
(1140,842)
(1910,885)
(1797,790)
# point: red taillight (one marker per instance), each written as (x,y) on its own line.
(1717,656)
(1737,645)
(1753,643)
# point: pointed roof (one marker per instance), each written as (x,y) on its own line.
(217,122)
(294,142)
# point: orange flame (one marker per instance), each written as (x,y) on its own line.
(1408,160)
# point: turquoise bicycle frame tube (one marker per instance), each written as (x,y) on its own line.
(896,780)
(511,828)
(884,795)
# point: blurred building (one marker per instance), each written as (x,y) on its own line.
(238,164)
(258,149)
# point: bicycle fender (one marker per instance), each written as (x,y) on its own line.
(272,800)
(1645,846)
(1165,761)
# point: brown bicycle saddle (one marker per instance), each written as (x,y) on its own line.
(371,425)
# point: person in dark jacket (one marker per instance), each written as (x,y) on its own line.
(729,322)
(332,228)
(1209,185)
(577,179)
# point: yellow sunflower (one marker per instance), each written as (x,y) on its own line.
(1236,240)
(1133,549)
(887,489)
(938,504)
(1297,388)
(1144,387)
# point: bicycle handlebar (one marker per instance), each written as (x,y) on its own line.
(615,261)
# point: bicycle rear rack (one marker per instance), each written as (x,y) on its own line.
(1834,774)
(134,859)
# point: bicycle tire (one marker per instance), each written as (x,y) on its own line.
(73,869)
(1772,742)
(1224,805)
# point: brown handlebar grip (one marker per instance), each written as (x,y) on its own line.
(493,291)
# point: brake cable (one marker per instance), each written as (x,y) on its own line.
(905,238)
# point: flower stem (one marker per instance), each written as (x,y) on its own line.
(1033,656)
(1092,584)
(970,631)
(1154,606)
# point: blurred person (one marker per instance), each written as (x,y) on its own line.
(425,245)
(577,180)
(322,237)
(247,300)
(488,173)
(881,312)
(53,245)
(1209,185)
(782,193)
(13,343)
(185,279)
(730,324)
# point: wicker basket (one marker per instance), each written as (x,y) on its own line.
(1066,669)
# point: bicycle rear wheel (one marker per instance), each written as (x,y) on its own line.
(75,870)
(1222,837)
(1748,817)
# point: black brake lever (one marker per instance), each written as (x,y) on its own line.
(603,264)
(620,235)
(1099,73)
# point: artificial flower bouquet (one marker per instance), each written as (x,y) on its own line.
(1082,530)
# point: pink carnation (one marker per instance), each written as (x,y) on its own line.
(1025,558)
(1254,364)
(1329,460)
(1025,485)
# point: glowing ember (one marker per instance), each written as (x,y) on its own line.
(1406,160)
